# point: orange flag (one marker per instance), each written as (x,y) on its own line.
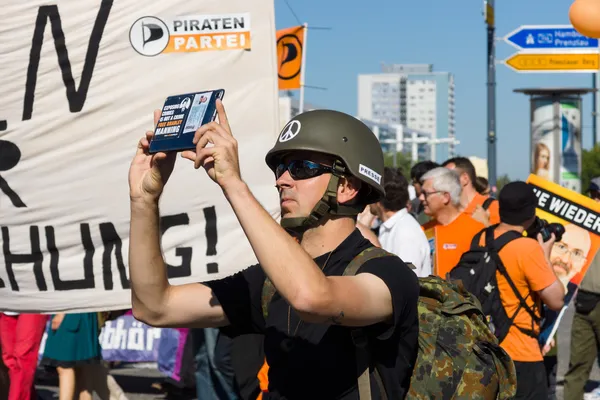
(290,47)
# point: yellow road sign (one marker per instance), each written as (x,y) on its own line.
(566,62)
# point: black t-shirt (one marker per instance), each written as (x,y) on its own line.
(319,361)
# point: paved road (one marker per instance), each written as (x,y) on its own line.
(137,382)
(564,341)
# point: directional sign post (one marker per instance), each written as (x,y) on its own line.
(552,48)
(550,37)
(554,62)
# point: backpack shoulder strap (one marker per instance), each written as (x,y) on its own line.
(495,245)
(488,202)
(363,257)
(477,238)
(268,291)
(358,335)
(498,243)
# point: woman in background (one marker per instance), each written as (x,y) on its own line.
(74,349)
(482,185)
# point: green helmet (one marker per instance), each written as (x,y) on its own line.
(356,150)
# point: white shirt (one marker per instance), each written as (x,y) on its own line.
(412,192)
(402,235)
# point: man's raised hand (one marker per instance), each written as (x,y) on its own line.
(220,159)
(148,173)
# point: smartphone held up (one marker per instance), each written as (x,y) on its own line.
(180,118)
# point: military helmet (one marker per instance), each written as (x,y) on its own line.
(339,135)
(354,146)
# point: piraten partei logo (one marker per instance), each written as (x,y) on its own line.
(149,36)
(289,48)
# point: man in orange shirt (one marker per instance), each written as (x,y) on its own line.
(473,202)
(451,231)
(528,265)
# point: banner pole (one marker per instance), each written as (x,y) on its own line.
(303,68)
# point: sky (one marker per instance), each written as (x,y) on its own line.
(451,35)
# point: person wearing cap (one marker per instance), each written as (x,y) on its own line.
(585,330)
(328,167)
(527,263)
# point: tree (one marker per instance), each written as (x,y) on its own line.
(590,166)
(403,162)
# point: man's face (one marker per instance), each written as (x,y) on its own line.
(432,200)
(298,196)
(569,255)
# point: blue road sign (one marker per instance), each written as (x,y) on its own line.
(563,37)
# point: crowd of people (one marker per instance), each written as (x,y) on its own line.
(285,328)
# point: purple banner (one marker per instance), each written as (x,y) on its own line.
(128,340)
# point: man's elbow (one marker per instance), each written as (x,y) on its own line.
(554,296)
(150,317)
(311,305)
(555,305)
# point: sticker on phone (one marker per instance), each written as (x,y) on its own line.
(196,116)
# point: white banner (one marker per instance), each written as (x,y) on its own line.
(79,83)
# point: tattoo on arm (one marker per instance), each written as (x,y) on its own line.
(337,320)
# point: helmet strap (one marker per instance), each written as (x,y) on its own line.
(327,206)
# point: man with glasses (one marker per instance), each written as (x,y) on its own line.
(416,174)
(569,255)
(585,330)
(450,231)
(328,167)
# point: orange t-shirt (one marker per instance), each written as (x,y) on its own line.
(493,209)
(527,267)
(449,242)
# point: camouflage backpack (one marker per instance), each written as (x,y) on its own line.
(458,358)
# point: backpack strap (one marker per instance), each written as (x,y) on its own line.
(359,338)
(268,291)
(487,202)
(495,245)
(363,257)
(476,239)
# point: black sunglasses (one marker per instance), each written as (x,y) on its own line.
(301,169)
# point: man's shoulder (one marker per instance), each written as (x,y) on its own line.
(388,266)
(521,245)
(252,274)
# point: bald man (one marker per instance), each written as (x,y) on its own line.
(569,255)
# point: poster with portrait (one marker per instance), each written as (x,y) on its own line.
(573,253)
(542,139)
(556,141)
